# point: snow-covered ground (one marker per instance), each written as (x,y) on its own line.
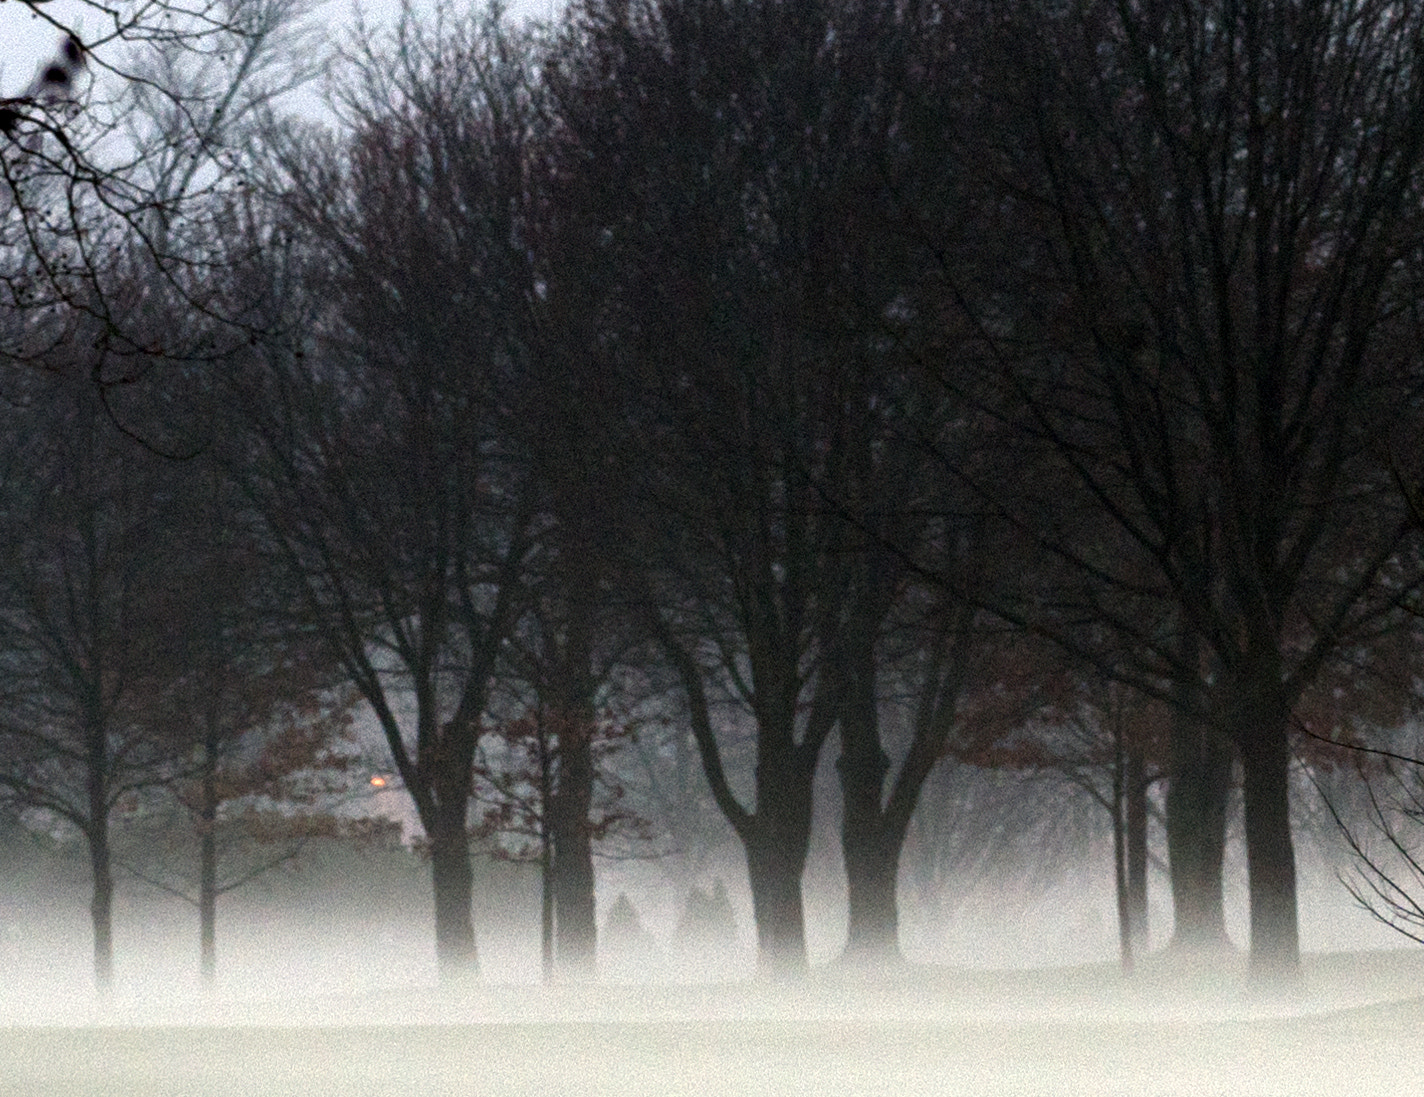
(1062,1032)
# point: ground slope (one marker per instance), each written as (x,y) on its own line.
(1060,1032)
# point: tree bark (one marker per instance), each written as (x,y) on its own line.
(444,803)
(874,823)
(868,840)
(208,870)
(453,884)
(1126,945)
(777,840)
(1197,795)
(575,921)
(1252,706)
(546,858)
(774,868)
(872,869)
(101,907)
(1270,857)
(546,912)
(572,694)
(776,837)
(1135,826)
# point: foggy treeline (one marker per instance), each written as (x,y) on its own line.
(731,386)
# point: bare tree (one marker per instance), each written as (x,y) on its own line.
(738,265)
(254,710)
(376,452)
(1219,255)
(111,166)
(1387,874)
(89,624)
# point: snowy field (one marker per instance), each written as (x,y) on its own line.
(1355,1031)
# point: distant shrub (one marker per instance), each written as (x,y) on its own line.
(625,948)
(708,927)
(623,926)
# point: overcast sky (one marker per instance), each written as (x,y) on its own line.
(27,40)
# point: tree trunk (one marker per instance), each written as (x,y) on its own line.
(1197,796)
(872,867)
(572,694)
(546,911)
(777,840)
(546,858)
(453,884)
(1135,824)
(101,907)
(775,876)
(868,842)
(777,835)
(575,920)
(1270,857)
(208,872)
(1125,943)
(874,823)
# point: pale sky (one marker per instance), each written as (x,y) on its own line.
(27,40)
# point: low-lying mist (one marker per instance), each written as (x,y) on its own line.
(918,1029)
(327,984)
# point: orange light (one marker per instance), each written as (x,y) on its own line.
(378,781)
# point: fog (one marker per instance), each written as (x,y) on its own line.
(327,986)
(327,975)
(924,1030)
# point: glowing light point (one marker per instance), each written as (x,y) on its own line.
(378,781)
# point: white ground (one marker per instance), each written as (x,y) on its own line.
(1060,1032)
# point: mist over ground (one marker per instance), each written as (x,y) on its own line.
(327,984)
(927,1030)
(950,467)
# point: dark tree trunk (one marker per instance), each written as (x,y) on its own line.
(101,908)
(875,820)
(453,885)
(777,840)
(1270,858)
(444,812)
(868,839)
(575,924)
(1253,708)
(546,858)
(208,871)
(546,912)
(1126,945)
(872,867)
(774,870)
(572,693)
(777,835)
(1122,776)
(1135,837)
(1197,796)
